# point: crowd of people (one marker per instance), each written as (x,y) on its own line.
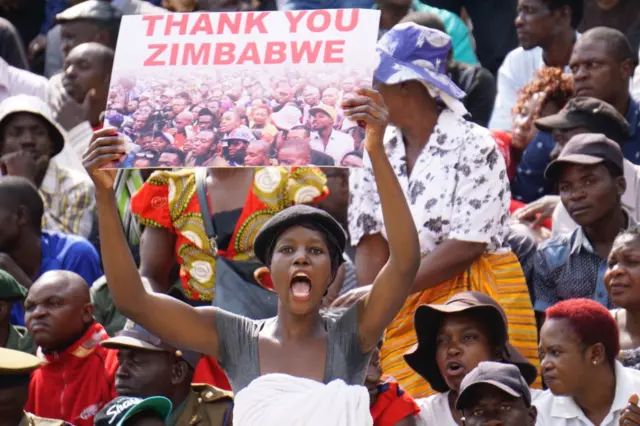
(456,244)
(237,119)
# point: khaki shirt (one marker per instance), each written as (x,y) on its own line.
(20,340)
(206,405)
(31,420)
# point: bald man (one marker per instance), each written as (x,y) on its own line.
(294,152)
(257,154)
(78,377)
(87,72)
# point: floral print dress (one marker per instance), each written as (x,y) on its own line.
(458,189)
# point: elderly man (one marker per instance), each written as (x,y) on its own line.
(26,251)
(15,373)
(150,367)
(77,379)
(29,139)
(12,336)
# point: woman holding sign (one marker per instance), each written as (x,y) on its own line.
(302,248)
(455,182)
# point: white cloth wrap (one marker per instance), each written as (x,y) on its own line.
(283,400)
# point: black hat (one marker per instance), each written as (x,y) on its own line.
(422,357)
(505,377)
(134,336)
(299,215)
(122,408)
(591,113)
(587,149)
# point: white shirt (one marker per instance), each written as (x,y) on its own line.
(563,411)
(339,145)
(14,81)
(563,224)
(518,69)
(458,188)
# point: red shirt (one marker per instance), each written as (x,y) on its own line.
(73,385)
(392,405)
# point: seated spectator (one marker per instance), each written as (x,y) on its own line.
(86,77)
(390,404)
(494,392)
(27,251)
(12,336)
(324,137)
(453,338)
(623,15)
(150,367)
(547,94)
(474,80)
(15,374)
(258,154)
(127,411)
(590,115)
(29,139)
(393,12)
(588,174)
(578,350)
(547,34)
(77,379)
(623,283)
(462,220)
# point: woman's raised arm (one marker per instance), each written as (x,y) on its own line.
(168,318)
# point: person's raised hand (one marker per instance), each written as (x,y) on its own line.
(21,163)
(106,149)
(369,108)
(631,414)
(536,212)
(67,111)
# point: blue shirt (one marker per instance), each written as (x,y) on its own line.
(529,182)
(64,252)
(567,267)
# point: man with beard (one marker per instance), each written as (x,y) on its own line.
(237,142)
(547,33)
(150,367)
(325,138)
(77,379)
(29,139)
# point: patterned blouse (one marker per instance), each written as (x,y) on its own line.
(458,188)
(169,200)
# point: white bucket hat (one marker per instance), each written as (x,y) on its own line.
(36,106)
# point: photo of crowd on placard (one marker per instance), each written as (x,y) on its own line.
(205,119)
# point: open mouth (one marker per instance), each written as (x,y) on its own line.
(454,369)
(301,286)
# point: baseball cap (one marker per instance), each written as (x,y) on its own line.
(422,357)
(582,111)
(122,408)
(505,377)
(134,336)
(587,149)
(330,111)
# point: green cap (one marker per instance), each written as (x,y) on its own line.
(122,408)
(10,289)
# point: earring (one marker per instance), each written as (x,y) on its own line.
(595,362)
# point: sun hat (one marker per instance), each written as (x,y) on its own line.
(410,51)
(422,357)
(288,117)
(36,106)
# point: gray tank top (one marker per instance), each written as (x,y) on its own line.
(238,340)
